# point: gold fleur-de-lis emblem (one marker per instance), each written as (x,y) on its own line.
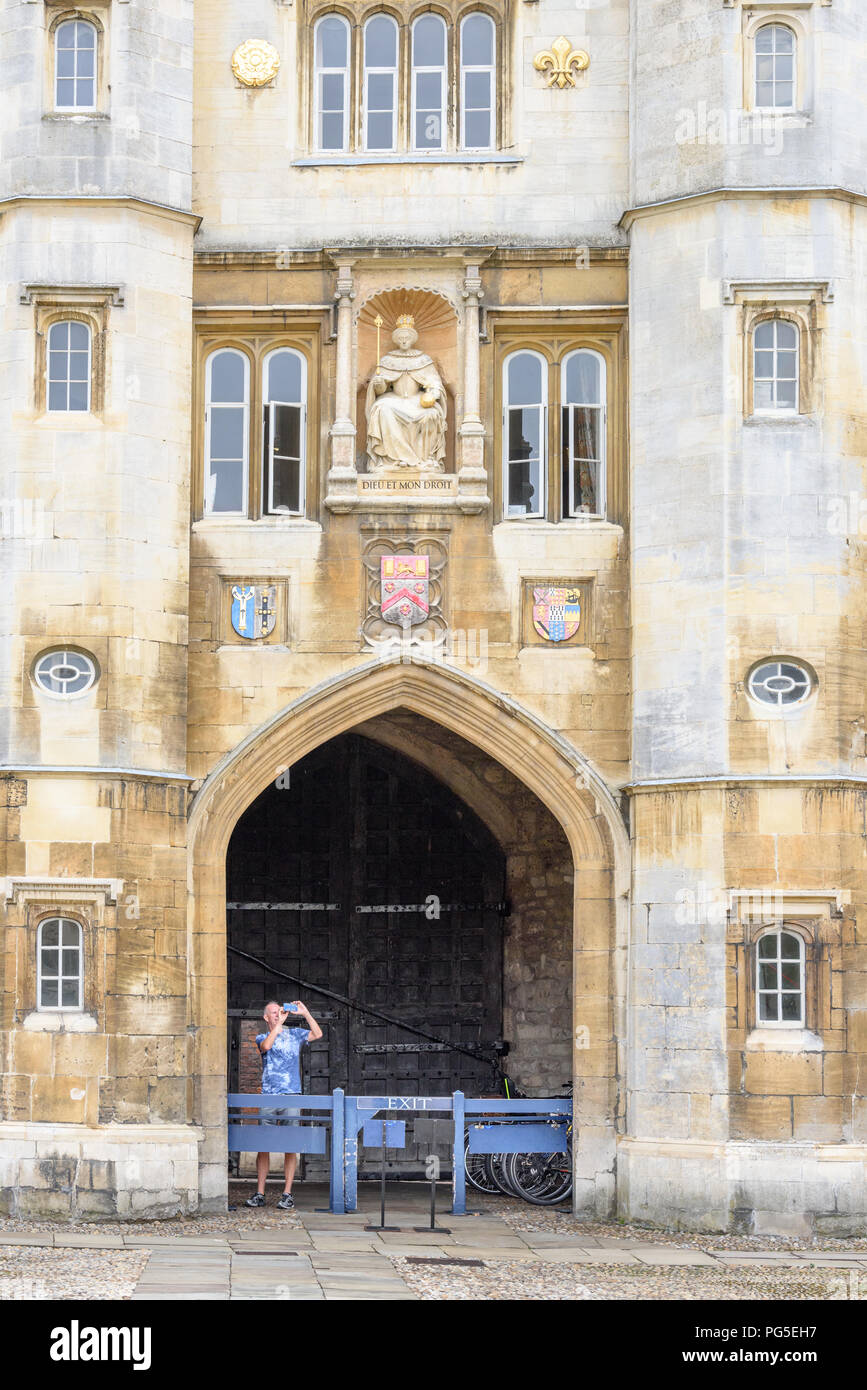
(563,62)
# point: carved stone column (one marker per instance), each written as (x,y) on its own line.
(472,478)
(342,475)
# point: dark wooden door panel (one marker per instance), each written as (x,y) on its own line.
(365,830)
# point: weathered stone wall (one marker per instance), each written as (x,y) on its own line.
(124,1059)
(138,140)
(250,187)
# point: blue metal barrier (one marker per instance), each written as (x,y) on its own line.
(496,1125)
(251,1133)
(492,1128)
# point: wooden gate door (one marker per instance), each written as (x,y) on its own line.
(368,876)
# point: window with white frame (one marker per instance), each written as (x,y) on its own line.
(227,386)
(583,429)
(478,82)
(780,989)
(68,366)
(331,84)
(780,684)
(284,393)
(60,964)
(775,365)
(775,55)
(421,83)
(380,84)
(429,83)
(65,673)
(75,51)
(525,408)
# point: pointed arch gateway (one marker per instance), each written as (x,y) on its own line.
(538,757)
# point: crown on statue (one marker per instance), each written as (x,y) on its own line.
(406,321)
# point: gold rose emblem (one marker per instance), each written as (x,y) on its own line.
(255,62)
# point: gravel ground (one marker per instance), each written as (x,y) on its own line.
(524,1217)
(251,1219)
(504,1279)
(242,1219)
(32,1274)
(520,1216)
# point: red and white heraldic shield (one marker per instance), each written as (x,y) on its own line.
(405,582)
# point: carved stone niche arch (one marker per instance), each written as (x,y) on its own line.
(436,320)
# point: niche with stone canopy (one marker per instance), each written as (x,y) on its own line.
(434,319)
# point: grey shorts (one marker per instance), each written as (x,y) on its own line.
(285,1116)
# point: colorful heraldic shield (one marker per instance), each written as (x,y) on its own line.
(405,584)
(556,613)
(254,609)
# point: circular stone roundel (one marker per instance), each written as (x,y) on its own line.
(255,62)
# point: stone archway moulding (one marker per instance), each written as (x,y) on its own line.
(542,759)
(545,762)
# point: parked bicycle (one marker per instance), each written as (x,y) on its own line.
(543,1179)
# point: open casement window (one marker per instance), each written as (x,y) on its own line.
(525,411)
(583,429)
(478,82)
(775,366)
(780,992)
(59,964)
(429,83)
(775,81)
(380,84)
(331,89)
(227,408)
(75,52)
(284,394)
(68,366)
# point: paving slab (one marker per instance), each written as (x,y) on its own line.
(557,1238)
(585,1257)
(424,1251)
(725,1257)
(673,1257)
(181,1296)
(174,1242)
(832,1262)
(82,1242)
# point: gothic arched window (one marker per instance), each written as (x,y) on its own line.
(478,51)
(583,400)
(380,84)
(775,67)
(59,964)
(429,83)
(227,386)
(775,365)
(780,992)
(75,43)
(69,366)
(331,84)
(525,400)
(284,393)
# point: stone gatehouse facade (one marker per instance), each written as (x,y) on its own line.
(557,310)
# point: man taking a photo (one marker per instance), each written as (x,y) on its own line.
(280,1049)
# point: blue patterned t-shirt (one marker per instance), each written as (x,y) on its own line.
(281,1070)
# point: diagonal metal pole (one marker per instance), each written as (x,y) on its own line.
(363,1008)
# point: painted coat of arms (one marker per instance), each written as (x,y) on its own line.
(405,581)
(556,612)
(254,609)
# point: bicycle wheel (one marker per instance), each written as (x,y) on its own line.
(543,1179)
(495,1172)
(477,1173)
